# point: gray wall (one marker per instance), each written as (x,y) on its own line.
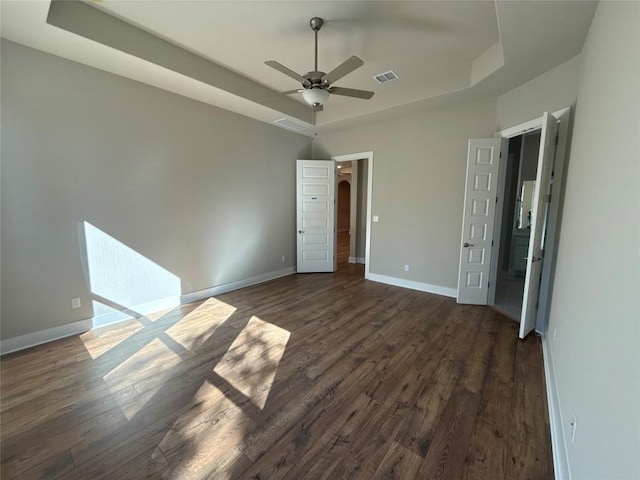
(206,195)
(530,154)
(418,186)
(548,92)
(595,307)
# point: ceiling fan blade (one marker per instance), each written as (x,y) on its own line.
(287,71)
(345,68)
(351,92)
(288,92)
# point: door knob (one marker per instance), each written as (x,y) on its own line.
(300,231)
(468,245)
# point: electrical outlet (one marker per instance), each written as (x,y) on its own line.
(76,303)
(406,268)
(376,218)
(283,258)
(573,425)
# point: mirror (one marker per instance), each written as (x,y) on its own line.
(525,204)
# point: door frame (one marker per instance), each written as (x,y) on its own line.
(553,224)
(369,157)
(353,207)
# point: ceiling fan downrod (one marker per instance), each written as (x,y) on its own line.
(316,24)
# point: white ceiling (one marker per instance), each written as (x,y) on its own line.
(443,51)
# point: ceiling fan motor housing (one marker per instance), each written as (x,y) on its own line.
(315,79)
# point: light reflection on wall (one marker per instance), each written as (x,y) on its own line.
(125,278)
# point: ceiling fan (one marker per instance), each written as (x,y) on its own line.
(317,86)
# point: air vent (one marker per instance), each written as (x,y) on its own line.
(291,124)
(385,77)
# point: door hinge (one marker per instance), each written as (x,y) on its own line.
(492,243)
(496,199)
(557,138)
(548,198)
(488,284)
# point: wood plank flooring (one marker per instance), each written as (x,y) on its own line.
(317,376)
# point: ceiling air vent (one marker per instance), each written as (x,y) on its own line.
(291,124)
(385,77)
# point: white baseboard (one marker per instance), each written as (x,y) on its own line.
(423,287)
(44,336)
(356,260)
(81,326)
(352,259)
(117,316)
(558,445)
(228,287)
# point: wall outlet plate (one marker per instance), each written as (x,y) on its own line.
(76,303)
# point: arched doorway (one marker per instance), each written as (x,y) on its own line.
(343,221)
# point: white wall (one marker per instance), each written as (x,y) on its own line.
(418,187)
(178,189)
(595,307)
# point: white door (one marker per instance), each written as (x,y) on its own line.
(538,216)
(316,215)
(483,162)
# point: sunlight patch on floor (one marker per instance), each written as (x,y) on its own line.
(199,438)
(194,329)
(101,340)
(252,360)
(155,361)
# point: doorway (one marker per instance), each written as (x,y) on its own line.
(551,214)
(515,222)
(352,241)
(343,227)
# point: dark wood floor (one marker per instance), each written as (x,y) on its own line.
(306,377)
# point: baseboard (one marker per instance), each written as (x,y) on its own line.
(228,287)
(423,287)
(558,445)
(352,259)
(356,260)
(144,309)
(44,336)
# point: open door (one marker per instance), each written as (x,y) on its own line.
(538,216)
(315,218)
(483,163)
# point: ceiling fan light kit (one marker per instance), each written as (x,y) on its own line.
(316,85)
(315,96)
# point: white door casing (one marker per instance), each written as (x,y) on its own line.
(315,215)
(483,162)
(538,216)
